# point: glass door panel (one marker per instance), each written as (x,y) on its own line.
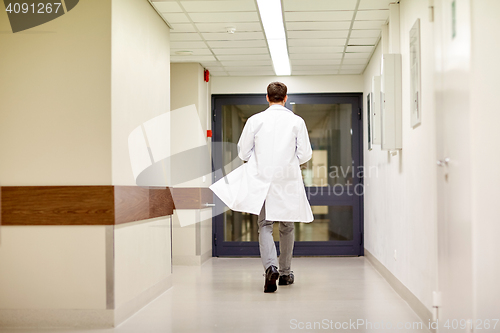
(330,223)
(238,227)
(330,132)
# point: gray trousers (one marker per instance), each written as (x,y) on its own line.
(267,247)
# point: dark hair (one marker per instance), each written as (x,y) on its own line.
(276,92)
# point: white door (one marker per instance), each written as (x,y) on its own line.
(453,52)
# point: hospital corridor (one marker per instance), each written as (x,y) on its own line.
(249,166)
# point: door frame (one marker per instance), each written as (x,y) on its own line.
(354,247)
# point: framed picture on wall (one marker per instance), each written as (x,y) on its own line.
(369,118)
(416,108)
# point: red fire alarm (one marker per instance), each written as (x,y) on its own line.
(206,75)
(209,133)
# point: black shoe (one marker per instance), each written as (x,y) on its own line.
(286,279)
(272,275)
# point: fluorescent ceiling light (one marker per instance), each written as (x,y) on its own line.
(272,20)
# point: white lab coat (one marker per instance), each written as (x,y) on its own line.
(275,143)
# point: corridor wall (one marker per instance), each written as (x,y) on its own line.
(55,125)
(402,220)
(140,91)
(485,72)
(87,248)
(400,189)
(295,84)
(192,243)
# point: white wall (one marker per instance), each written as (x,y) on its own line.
(72,90)
(184,238)
(140,71)
(140,74)
(56,267)
(485,73)
(400,191)
(188,130)
(142,264)
(55,93)
(188,87)
(55,120)
(204,101)
(192,244)
(295,84)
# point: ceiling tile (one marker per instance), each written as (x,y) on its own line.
(237,44)
(184,36)
(319,16)
(372,15)
(317,42)
(246,51)
(316,31)
(313,49)
(368,24)
(220,27)
(249,68)
(322,72)
(182,27)
(217,73)
(195,51)
(365,33)
(359,49)
(242,57)
(350,71)
(352,55)
(319,5)
(304,26)
(224,17)
(191,58)
(253,73)
(363,41)
(315,62)
(316,68)
(168,7)
(247,63)
(318,34)
(236,36)
(358,67)
(219,6)
(374,4)
(355,61)
(214,69)
(316,55)
(176,17)
(188,45)
(212,63)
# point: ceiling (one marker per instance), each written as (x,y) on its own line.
(324,37)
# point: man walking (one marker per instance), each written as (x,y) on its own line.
(274,142)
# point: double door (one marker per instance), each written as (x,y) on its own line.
(333,178)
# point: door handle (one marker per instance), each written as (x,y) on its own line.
(444,162)
(208,205)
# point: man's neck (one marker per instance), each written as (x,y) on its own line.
(281,103)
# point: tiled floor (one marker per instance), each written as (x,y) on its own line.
(226,295)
